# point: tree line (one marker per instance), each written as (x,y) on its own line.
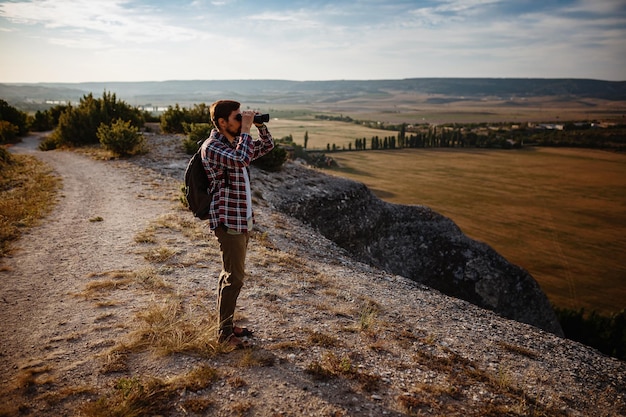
(585,134)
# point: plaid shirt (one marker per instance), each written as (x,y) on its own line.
(229,203)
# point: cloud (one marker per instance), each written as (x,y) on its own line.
(114,19)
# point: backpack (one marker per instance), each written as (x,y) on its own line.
(197,186)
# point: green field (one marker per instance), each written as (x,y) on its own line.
(558,213)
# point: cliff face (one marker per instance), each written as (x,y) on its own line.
(412,241)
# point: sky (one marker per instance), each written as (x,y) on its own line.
(142,40)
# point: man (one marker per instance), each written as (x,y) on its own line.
(228,152)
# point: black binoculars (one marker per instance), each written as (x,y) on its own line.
(258,118)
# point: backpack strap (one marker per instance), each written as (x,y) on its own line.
(225,174)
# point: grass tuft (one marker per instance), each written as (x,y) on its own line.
(331,366)
(168,328)
(134,397)
(28,191)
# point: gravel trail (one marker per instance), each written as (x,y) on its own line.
(90,231)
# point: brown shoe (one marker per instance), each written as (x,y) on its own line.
(235,343)
(242,331)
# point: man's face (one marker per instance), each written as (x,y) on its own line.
(233,126)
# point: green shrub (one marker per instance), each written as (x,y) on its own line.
(78,125)
(190,147)
(173,120)
(196,132)
(17,118)
(605,333)
(8,132)
(42,121)
(273,161)
(121,138)
(48,143)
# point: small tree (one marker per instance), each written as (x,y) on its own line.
(17,118)
(42,121)
(196,132)
(172,120)
(121,138)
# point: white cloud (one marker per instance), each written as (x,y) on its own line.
(109,19)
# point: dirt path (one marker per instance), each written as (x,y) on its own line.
(90,231)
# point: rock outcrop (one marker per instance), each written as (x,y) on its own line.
(412,241)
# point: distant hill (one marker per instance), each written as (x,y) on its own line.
(284,91)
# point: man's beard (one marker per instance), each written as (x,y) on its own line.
(235,133)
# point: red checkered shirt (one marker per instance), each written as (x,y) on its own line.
(229,205)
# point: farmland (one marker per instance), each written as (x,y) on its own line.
(558,213)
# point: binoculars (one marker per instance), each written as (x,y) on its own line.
(258,118)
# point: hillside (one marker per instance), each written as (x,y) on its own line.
(297,92)
(115,317)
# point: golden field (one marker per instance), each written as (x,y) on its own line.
(558,213)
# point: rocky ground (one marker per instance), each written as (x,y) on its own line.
(85,301)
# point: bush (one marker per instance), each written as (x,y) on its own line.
(48,143)
(121,138)
(174,119)
(605,333)
(5,157)
(42,121)
(272,161)
(8,132)
(17,118)
(78,125)
(196,132)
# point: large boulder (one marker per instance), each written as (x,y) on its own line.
(412,241)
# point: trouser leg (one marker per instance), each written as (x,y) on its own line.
(233,252)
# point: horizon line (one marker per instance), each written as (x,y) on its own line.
(306,81)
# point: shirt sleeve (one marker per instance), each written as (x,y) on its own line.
(264,144)
(224,156)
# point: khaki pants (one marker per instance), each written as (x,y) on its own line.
(233,247)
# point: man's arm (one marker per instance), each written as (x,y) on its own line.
(223,156)
(265,142)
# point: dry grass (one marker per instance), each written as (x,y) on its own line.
(28,190)
(463,376)
(160,255)
(332,366)
(133,397)
(109,281)
(520,350)
(559,213)
(170,327)
(33,376)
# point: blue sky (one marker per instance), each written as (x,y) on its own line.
(141,40)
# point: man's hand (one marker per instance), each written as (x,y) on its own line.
(247,118)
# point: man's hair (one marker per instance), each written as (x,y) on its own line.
(221,109)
